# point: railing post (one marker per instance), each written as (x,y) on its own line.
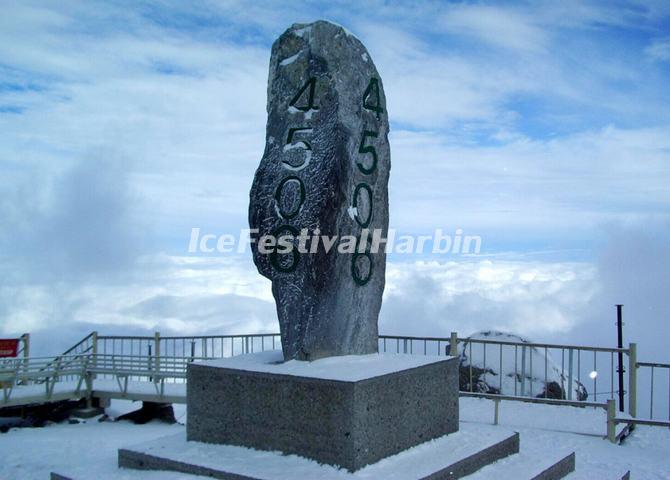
(620,370)
(25,339)
(94,350)
(94,342)
(611,415)
(157,355)
(88,379)
(453,344)
(632,379)
(495,411)
(570,375)
(523,371)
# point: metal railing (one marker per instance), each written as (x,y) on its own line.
(22,354)
(582,373)
(657,377)
(141,368)
(528,372)
(29,373)
(208,346)
(579,366)
(76,375)
(83,347)
(555,374)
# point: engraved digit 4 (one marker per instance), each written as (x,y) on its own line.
(373,90)
(311,85)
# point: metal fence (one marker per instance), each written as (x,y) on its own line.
(210,346)
(654,381)
(22,373)
(523,369)
(491,368)
(530,370)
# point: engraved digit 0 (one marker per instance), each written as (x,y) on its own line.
(361,267)
(362,187)
(286,206)
(275,260)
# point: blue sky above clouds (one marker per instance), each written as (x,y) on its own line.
(544,127)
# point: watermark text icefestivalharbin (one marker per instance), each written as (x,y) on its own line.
(370,241)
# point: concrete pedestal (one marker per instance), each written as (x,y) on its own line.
(347,411)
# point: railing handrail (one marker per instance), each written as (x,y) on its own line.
(507,342)
(127,355)
(547,401)
(653,364)
(68,353)
(185,337)
(387,337)
(79,344)
(50,357)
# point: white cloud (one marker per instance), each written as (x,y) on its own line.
(497,26)
(659,49)
(508,141)
(201,295)
(534,299)
(553,186)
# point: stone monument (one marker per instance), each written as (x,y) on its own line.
(325,172)
(273,415)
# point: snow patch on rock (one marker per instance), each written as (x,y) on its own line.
(520,371)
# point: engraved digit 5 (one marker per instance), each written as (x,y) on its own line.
(362,148)
(292,144)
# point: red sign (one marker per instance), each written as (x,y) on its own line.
(9,347)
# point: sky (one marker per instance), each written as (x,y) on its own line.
(542,127)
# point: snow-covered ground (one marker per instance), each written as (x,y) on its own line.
(89,450)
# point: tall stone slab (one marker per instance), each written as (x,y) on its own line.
(325,169)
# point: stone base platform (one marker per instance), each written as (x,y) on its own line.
(448,457)
(348,411)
